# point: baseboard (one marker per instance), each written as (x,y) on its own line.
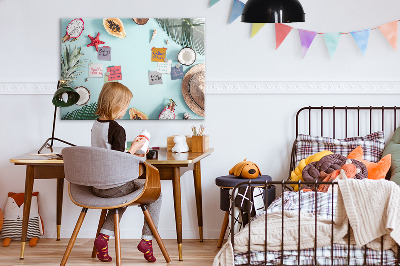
(249,87)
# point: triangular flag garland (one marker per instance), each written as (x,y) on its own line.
(213,2)
(361,37)
(332,41)
(389,30)
(256,28)
(237,9)
(281,31)
(306,39)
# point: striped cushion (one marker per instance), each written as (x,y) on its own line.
(13,228)
(372,145)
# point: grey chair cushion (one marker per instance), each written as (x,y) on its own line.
(83,196)
(99,167)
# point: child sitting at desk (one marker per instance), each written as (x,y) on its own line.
(113,103)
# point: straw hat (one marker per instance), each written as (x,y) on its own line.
(193,86)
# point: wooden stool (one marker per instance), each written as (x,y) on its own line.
(226,183)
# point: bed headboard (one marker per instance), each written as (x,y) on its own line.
(344,121)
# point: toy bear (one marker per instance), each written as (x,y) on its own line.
(13,215)
(245,169)
(180,144)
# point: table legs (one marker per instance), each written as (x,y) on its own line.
(176,184)
(199,204)
(27,206)
(223,230)
(60,190)
(41,172)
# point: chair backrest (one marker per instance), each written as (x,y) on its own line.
(92,166)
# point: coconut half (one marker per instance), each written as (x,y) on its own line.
(187,56)
(84,95)
(140,21)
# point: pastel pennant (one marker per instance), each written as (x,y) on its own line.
(306,39)
(389,30)
(213,2)
(332,41)
(256,28)
(281,31)
(237,9)
(361,37)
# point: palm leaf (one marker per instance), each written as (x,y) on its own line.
(86,112)
(187,32)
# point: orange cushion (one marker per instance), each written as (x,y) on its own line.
(375,170)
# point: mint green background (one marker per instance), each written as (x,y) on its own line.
(133,54)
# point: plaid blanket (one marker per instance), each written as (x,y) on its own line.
(323,205)
(340,254)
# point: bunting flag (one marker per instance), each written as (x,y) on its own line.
(361,37)
(389,30)
(213,2)
(281,31)
(306,39)
(237,9)
(256,28)
(332,41)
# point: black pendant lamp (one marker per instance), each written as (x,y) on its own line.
(273,11)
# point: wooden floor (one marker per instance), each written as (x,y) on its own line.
(50,252)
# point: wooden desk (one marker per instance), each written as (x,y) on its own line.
(168,164)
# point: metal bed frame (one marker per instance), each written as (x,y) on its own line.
(283,184)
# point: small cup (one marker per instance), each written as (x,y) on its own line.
(152,155)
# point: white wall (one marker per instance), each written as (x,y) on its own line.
(259,127)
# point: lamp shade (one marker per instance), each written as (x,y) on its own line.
(273,11)
(65,96)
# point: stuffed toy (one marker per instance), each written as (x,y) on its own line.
(348,170)
(245,169)
(1,220)
(375,170)
(296,174)
(328,164)
(13,215)
(180,144)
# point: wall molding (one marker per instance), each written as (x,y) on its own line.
(27,88)
(304,87)
(249,87)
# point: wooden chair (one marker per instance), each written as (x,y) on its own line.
(85,167)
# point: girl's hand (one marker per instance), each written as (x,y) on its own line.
(137,144)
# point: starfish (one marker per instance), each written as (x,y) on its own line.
(95,41)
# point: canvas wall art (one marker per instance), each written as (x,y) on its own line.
(161,60)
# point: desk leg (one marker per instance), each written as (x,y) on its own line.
(60,190)
(199,204)
(27,206)
(176,182)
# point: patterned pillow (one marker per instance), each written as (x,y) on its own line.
(372,144)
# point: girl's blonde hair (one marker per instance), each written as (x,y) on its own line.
(113,97)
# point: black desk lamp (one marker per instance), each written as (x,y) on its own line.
(273,11)
(64,96)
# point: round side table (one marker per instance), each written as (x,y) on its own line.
(226,183)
